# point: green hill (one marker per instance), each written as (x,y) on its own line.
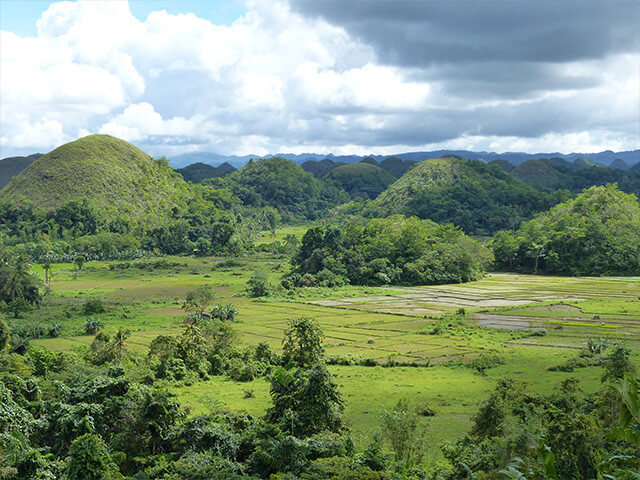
(542,173)
(115,177)
(479,198)
(197,172)
(580,163)
(396,166)
(596,233)
(282,184)
(320,168)
(361,180)
(504,165)
(12,166)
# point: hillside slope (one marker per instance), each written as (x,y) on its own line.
(361,180)
(115,176)
(198,172)
(12,166)
(595,233)
(477,197)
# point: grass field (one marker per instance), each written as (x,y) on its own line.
(372,322)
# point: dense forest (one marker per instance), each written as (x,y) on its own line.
(596,233)
(388,251)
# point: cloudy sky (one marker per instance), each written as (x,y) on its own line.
(341,76)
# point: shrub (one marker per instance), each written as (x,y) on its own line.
(224,313)
(258,285)
(485,361)
(93,306)
(92,326)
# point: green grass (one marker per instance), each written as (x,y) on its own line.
(147,301)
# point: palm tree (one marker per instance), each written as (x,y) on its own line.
(119,343)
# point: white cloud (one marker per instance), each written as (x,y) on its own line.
(273,81)
(140,121)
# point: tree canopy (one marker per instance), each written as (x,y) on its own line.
(596,233)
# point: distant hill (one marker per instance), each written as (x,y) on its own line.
(580,163)
(516,158)
(198,172)
(397,166)
(112,174)
(280,183)
(618,164)
(12,166)
(479,198)
(635,168)
(320,168)
(503,165)
(556,173)
(361,180)
(544,173)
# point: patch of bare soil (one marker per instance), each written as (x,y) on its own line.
(559,308)
(507,322)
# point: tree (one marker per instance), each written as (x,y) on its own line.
(18,288)
(291,241)
(224,313)
(89,459)
(259,285)
(5,334)
(302,343)
(271,217)
(617,363)
(198,299)
(402,429)
(92,326)
(79,261)
(119,343)
(48,275)
(306,401)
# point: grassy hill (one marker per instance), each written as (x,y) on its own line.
(543,173)
(479,198)
(115,176)
(361,180)
(503,164)
(320,168)
(396,166)
(12,166)
(280,183)
(197,172)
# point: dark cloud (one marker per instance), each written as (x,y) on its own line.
(421,33)
(498,48)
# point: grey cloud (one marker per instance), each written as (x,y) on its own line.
(496,49)
(414,33)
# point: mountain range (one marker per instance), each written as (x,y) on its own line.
(608,157)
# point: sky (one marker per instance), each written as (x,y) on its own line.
(332,76)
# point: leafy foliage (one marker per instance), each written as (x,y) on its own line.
(594,234)
(383,251)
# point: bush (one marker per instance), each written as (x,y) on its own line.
(93,306)
(486,361)
(258,285)
(92,326)
(224,313)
